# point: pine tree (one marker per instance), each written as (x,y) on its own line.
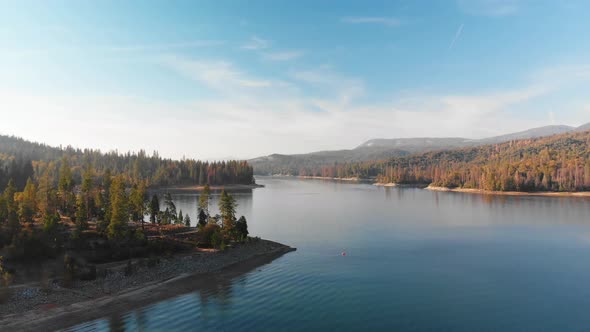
(81,213)
(242,228)
(65,185)
(106,190)
(28,203)
(87,187)
(227,209)
(46,194)
(119,209)
(187,220)
(137,200)
(154,209)
(180,219)
(11,209)
(170,208)
(204,199)
(203,218)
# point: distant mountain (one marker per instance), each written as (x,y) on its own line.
(584,127)
(531,133)
(380,149)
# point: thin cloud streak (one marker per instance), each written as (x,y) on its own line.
(457,35)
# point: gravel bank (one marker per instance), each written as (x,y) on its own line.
(32,306)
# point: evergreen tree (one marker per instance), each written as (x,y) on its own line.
(154,209)
(81,213)
(87,188)
(28,203)
(46,193)
(187,220)
(106,198)
(227,209)
(166,217)
(242,228)
(204,200)
(11,207)
(203,218)
(180,219)
(170,208)
(137,200)
(65,186)
(119,209)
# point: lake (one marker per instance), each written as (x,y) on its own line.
(415,260)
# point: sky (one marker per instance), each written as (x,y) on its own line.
(241,79)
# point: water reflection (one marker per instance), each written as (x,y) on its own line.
(203,299)
(417,260)
(187,201)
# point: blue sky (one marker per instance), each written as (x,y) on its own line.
(216,79)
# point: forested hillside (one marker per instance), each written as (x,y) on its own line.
(381,149)
(53,199)
(20,160)
(555,163)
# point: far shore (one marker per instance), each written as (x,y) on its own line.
(212,187)
(385,184)
(328,178)
(400,185)
(511,193)
(35,308)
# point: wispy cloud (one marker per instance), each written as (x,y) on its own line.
(492,8)
(256,43)
(283,55)
(457,35)
(341,89)
(387,21)
(164,46)
(216,74)
(262,114)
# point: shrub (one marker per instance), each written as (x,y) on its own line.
(210,235)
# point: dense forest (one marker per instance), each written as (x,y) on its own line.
(554,163)
(55,200)
(21,160)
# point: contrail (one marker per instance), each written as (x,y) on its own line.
(457,35)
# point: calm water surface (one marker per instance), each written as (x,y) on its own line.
(416,261)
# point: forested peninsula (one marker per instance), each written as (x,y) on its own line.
(69,217)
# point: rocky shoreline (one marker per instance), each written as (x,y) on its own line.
(34,305)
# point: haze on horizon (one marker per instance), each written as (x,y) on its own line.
(246,79)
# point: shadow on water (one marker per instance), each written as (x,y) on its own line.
(116,316)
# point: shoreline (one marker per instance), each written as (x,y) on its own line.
(354,179)
(511,193)
(32,308)
(214,187)
(400,185)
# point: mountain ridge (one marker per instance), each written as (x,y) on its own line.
(384,148)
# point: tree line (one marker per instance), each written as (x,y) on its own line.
(42,187)
(110,202)
(554,163)
(20,160)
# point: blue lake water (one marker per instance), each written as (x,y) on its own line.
(416,261)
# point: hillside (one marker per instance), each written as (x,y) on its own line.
(555,163)
(21,159)
(381,149)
